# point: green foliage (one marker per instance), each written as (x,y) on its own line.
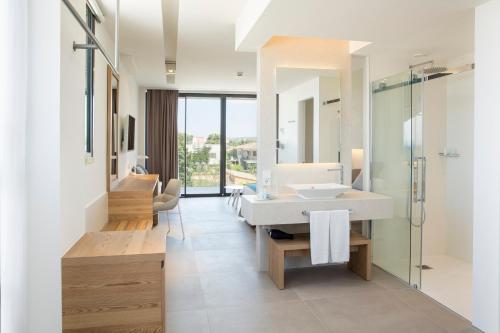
(213,138)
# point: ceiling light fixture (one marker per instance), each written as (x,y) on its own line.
(170,67)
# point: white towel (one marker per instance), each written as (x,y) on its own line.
(339,236)
(319,227)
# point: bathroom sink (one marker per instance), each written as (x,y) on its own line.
(319,191)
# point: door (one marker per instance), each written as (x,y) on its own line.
(396,171)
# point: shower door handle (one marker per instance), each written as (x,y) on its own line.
(419,173)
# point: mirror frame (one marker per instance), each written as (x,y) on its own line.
(111,178)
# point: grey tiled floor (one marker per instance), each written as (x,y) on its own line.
(213,287)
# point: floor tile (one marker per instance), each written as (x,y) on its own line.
(437,313)
(386,280)
(223,241)
(245,287)
(223,260)
(181,263)
(317,283)
(184,293)
(373,311)
(188,322)
(287,317)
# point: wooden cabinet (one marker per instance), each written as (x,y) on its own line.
(130,202)
(115,282)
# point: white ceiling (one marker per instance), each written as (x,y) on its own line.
(397,28)
(141,38)
(200,35)
(206,57)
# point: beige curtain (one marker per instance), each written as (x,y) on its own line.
(161,133)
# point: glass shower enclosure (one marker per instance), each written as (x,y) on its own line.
(398,170)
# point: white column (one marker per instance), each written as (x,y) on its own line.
(13,220)
(43,142)
(486,256)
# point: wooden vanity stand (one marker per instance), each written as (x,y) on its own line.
(130,203)
(115,282)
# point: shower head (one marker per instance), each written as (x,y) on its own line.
(431,69)
(434,70)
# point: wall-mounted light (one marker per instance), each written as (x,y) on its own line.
(357,158)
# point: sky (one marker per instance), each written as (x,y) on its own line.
(203,117)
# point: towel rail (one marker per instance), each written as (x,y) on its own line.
(92,37)
(308,213)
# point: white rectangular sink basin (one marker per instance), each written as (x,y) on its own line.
(319,191)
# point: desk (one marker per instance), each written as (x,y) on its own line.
(131,201)
(114,282)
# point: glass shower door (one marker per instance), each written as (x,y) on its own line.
(396,241)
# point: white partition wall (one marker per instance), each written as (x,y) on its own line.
(486,276)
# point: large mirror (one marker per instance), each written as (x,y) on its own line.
(309,117)
(112,128)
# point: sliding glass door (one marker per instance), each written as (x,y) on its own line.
(216,142)
(397,171)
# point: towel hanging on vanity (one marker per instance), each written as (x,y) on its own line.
(339,236)
(329,236)
(319,227)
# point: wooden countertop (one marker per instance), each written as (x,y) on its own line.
(116,247)
(137,183)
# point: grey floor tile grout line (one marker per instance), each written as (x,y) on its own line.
(323,324)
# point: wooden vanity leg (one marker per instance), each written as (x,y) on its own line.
(360,262)
(276,269)
(261,248)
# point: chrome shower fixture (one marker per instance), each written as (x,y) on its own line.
(429,70)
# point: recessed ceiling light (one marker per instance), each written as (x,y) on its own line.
(170,70)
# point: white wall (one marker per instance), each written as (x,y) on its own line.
(83,188)
(460,171)
(298,53)
(449,124)
(141,125)
(13,216)
(434,139)
(357,107)
(129,105)
(486,276)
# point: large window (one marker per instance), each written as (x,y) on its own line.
(241,141)
(89,88)
(217,142)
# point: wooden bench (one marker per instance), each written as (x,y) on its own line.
(359,263)
(129,225)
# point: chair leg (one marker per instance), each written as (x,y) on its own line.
(180,216)
(168,222)
(235,197)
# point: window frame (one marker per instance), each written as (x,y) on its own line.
(223,102)
(89,86)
